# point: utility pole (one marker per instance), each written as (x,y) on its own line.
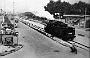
(13,16)
(85,17)
(13,8)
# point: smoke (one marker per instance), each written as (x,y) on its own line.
(45,14)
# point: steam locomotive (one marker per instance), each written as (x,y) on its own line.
(60,30)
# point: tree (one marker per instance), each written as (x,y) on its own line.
(67,8)
(50,7)
(57,7)
(29,14)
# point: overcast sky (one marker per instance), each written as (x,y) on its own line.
(35,6)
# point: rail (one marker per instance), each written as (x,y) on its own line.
(64,43)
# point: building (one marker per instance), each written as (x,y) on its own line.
(76,19)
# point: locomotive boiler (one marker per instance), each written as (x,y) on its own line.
(60,30)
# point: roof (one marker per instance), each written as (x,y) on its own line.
(76,15)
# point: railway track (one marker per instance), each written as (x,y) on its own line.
(58,40)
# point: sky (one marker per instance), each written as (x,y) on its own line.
(35,6)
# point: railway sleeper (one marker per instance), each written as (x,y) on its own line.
(72,47)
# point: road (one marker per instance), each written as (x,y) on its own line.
(83,32)
(36,45)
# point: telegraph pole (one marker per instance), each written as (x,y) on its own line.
(85,17)
(13,8)
(13,15)
(14,21)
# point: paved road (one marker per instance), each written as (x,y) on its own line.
(37,45)
(83,32)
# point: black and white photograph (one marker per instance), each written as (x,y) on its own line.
(44,29)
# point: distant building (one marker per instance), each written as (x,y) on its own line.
(78,19)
